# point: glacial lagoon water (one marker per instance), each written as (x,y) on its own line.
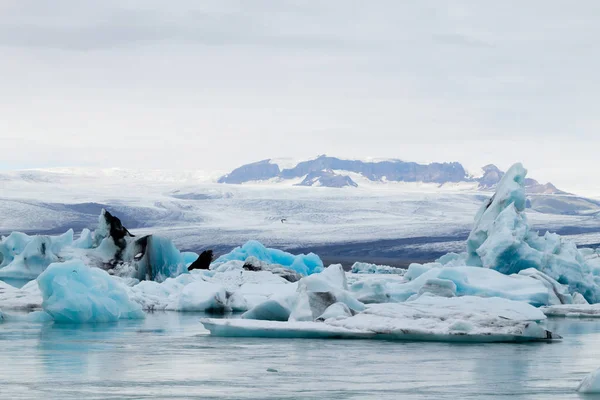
(169,355)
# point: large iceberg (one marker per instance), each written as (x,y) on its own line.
(110,247)
(460,319)
(74,292)
(304,264)
(502,240)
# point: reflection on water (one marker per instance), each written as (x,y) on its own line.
(169,355)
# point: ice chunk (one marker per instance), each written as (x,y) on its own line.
(310,305)
(85,240)
(11,246)
(455,281)
(591,383)
(314,294)
(160,260)
(304,264)
(366,268)
(254,264)
(73,292)
(459,319)
(558,293)
(280,330)
(34,258)
(573,310)
(269,310)
(336,310)
(29,255)
(202,296)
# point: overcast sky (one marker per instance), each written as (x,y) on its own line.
(215,84)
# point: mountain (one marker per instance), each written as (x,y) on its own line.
(492,175)
(336,173)
(326,169)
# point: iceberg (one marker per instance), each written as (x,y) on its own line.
(459,319)
(304,264)
(11,246)
(573,310)
(453,282)
(591,383)
(110,247)
(73,292)
(312,297)
(33,254)
(502,240)
(366,268)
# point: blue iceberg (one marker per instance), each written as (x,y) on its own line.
(73,292)
(304,264)
(502,240)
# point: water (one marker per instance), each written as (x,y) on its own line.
(169,355)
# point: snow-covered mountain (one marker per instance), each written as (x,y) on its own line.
(334,172)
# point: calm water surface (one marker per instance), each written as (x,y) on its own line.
(168,355)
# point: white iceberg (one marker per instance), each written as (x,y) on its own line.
(311,297)
(366,268)
(572,310)
(459,319)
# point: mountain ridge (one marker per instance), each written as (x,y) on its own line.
(321,171)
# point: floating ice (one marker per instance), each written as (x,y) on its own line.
(314,294)
(110,247)
(366,268)
(304,264)
(591,383)
(459,319)
(11,246)
(31,255)
(73,292)
(451,282)
(502,240)
(573,310)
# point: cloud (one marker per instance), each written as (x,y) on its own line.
(151,83)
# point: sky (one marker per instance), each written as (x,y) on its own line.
(216,84)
